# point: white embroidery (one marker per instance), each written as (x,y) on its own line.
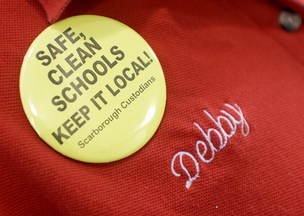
(207,143)
(190,178)
(242,121)
(210,144)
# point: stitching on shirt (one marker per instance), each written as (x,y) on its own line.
(232,120)
(190,178)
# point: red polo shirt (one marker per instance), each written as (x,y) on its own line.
(230,142)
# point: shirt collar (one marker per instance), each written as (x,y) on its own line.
(54,8)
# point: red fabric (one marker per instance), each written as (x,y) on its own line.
(54,8)
(296,5)
(212,53)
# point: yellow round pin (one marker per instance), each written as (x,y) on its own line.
(92,88)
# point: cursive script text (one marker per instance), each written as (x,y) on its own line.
(206,148)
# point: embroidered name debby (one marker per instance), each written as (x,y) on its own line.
(213,140)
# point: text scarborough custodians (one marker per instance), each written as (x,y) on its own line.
(74,80)
(116,112)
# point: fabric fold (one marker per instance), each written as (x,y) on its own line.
(54,8)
